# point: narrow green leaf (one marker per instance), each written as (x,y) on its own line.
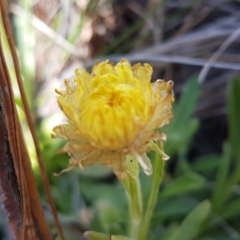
(178,138)
(233,100)
(91,235)
(119,237)
(185,183)
(234,116)
(171,209)
(185,107)
(222,174)
(232,209)
(170,231)
(206,164)
(108,218)
(182,127)
(190,226)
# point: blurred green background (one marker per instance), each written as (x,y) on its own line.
(194,43)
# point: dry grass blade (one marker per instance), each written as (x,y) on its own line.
(46,30)
(217,54)
(31,181)
(168,59)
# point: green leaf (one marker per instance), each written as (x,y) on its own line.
(178,138)
(170,231)
(233,101)
(91,235)
(119,237)
(108,218)
(221,179)
(172,209)
(206,164)
(94,191)
(185,183)
(182,127)
(191,224)
(185,107)
(234,116)
(232,209)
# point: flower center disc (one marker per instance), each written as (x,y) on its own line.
(113,115)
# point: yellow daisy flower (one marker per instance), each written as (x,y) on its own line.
(113,112)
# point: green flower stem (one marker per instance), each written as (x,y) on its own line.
(158,169)
(92,235)
(133,191)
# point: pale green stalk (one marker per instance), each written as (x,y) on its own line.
(158,167)
(133,191)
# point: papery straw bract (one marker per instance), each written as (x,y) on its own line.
(113,112)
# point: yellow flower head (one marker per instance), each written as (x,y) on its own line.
(114,112)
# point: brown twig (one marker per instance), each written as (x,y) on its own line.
(18,190)
(28,115)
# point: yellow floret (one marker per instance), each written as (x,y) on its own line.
(113,112)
